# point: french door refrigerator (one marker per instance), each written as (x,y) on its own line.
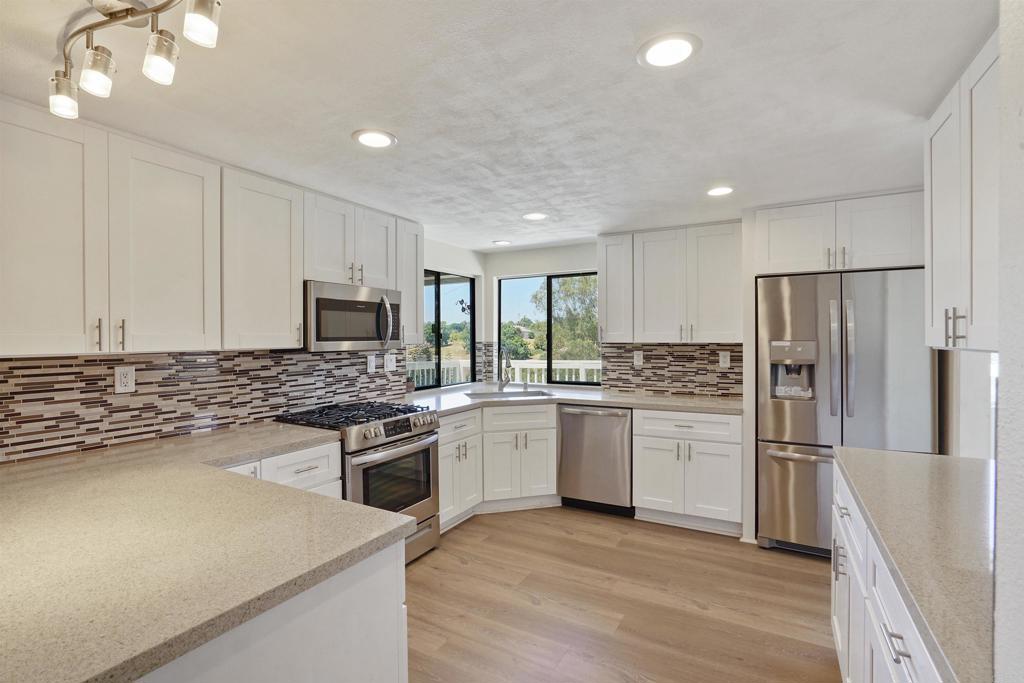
(841,360)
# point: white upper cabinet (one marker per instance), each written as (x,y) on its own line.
(880,232)
(164,249)
(262,262)
(713,284)
(329,229)
(615,288)
(53,235)
(375,242)
(961,170)
(793,239)
(410,280)
(659,282)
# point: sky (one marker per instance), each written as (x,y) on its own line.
(515,299)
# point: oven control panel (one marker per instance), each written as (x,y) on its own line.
(397,427)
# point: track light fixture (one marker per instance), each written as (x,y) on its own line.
(202,20)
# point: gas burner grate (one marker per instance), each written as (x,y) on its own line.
(341,415)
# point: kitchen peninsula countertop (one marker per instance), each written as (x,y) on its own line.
(115,562)
(932,517)
(452,400)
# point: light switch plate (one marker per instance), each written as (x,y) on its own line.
(124,379)
(371,362)
(638,359)
(724,359)
(390,362)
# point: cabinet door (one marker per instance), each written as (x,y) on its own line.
(502,470)
(53,235)
(164,249)
(713,279)
(519,418)
(979,106)
(249,469)
(538,462)
(877,666)
(713,473)
(448,463)
(328,229)
(262,258)
(840,596)
(471,473)
(410,280)
(881,232)
(794,239)
(615,288)
(659,297)
(858,613)
(375,243)
(942,238)
(657,474)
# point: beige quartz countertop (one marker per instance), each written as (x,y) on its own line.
(453,400)
(115,562)
(932,517)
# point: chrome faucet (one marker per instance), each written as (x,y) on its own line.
(505,368)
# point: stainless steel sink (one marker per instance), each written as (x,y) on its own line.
(512,393)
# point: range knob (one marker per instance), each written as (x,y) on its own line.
(416,422)
(377,431)
(367,433)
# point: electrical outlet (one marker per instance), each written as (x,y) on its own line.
(638,359)
(724,359)
(390,362)
(124,379)
(371,362)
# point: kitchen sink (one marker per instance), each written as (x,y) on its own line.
(511,393)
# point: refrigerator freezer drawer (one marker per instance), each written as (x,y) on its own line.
(794,495)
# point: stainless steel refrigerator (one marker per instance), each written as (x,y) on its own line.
(841,360)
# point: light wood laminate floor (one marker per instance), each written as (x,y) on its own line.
(569,596)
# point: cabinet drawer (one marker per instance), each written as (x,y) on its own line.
(332,489)
(896,627)
(515,418)
(690,426)
(851,519)
(249,469)
(459,426)
(305,469)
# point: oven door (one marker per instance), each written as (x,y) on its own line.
(351,318)
(399,477)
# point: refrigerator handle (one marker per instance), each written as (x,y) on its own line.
(851,358)
(833,349)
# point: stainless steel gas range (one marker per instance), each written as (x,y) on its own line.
(389,453)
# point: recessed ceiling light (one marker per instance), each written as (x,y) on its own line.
(535,216)
(668,50)
(720,191)
(501,243)
(374,138)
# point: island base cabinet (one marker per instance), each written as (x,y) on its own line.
(350,627)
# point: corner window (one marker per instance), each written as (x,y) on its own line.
(548,326)
(449,332)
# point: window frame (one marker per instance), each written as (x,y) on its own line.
(548,279)
(437,275)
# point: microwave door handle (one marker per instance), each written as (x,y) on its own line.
(391,319)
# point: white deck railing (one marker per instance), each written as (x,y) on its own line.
(424,372)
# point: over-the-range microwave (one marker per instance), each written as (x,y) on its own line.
(351,317)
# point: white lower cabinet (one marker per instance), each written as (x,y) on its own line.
(519,452)
(538,463)
(460,476)
(841,596)
(316,469)
(713,472)
(657,474)
(502,466)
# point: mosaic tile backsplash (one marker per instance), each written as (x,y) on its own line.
(673,369)
(60,404)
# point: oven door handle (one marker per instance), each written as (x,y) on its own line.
(392,453)
(391,319)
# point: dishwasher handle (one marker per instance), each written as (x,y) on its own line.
(595,412)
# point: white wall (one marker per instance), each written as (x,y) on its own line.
(1009,568)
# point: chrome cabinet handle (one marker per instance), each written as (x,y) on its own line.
(526,440)
(600,333)
(689,452)
(462,426)
(517,441)
(691,331)
(828,258)
(298,333)
(680,333)
(360,273)
(683,426)
(677,451)
(895,652)
(839,554)
(307,468)
(252,472)
(403,334)
(99,334)
(833,349)
(352,272)
(948,335)
(956,318)
(124,324)
(843,251)
(851,358)
(843,510)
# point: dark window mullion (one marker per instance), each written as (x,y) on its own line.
(550,376)
(438,381)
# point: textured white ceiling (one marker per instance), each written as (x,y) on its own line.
(507,106)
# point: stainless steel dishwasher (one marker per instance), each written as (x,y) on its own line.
(595,458)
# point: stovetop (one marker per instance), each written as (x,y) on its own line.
(367,425)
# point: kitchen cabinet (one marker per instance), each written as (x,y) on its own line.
(448,456)
(410,280)
(53,235)
(262,262)
(878,666)
(840,611)
(249,469)
(305,469)
(164,249)
(539,463)
(711,480)
(714,283)
(461,484)
(375,240)
(519,452)
(961,171)
(659,286)
(793,239)
(502,465)
(615,289)
(519,418)
(657,474)
(328,226)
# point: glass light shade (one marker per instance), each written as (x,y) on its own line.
(668,50)
(202,18)
(97,72)
(63,97)
(374,138)
(161,58)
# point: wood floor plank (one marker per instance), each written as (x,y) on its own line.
(568,596)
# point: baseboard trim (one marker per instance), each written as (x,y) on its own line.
(457,519)
(513,504)
(713,526)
